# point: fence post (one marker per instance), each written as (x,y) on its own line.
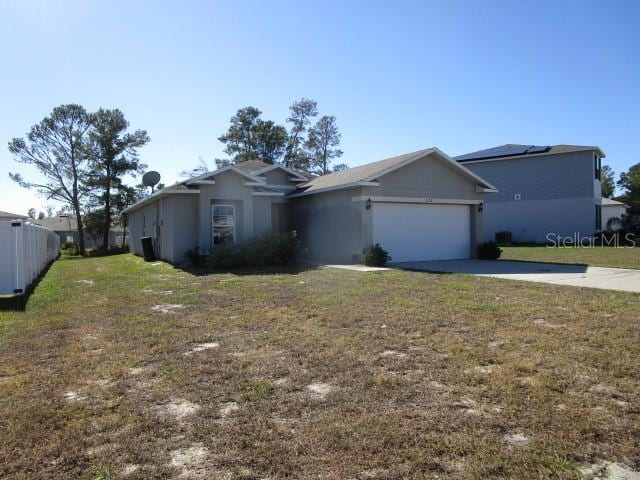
(17,245)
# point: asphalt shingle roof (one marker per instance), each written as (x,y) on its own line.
(251,166)
(515,149)
(357,174)
(611,201)
(59,223)
(11,216)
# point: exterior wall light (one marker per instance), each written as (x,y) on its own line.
(480,207)
(368,204)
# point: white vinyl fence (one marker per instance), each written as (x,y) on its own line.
(25,251)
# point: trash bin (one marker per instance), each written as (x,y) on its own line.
(147,249)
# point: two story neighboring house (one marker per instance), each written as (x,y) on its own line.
(543,191)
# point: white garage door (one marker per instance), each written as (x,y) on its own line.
(411,232)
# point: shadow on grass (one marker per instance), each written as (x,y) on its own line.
(492,267)
(292,269)
(19,302)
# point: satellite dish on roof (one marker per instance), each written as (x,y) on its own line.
(151,179)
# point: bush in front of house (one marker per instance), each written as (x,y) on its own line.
(375,256)
(503,238)
(266,250)
(489,251)
(105,252)
(70,249)
(195,257)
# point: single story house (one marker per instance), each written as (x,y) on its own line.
(4,216)
(545,192)
(612,209)
(418,206)
(66,226)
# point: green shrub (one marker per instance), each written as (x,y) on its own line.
(489,251)
(268,249)
(70,249)
(196,257)
(503,238)
(102,252)
(375,256)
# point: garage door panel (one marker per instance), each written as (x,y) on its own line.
(411,232)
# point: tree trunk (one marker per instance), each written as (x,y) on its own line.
(76,208)
(107,212)
(124,232)
(324,160)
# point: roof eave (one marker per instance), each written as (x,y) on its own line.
(333,188)
(596,149)
(159,194)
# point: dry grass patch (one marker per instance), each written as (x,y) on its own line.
(347,375)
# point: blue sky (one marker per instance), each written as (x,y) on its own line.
(399,76)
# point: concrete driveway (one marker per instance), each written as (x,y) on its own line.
(555,273)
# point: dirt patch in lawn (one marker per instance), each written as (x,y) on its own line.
(177,409)
(355,375)
(166,308)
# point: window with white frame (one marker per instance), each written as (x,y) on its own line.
(223,221)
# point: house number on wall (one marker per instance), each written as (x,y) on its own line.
(429,200)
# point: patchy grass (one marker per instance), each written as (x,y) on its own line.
(322,372)
(597,256)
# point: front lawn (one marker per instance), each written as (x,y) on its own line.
(124,369)
(597,256)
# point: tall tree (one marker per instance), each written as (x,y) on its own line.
(607,181)
(113,154)
(324,138)
(270,140)
(630,183)
(57,148)
(251,138)
(301,113)
(240,142)
(31,213)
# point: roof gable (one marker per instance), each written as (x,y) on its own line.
(372,171)
(230,168)
(292,172)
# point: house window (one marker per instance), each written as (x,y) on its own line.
(598,217)
(597,166)
(223,218)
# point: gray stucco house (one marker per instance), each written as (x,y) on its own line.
(419,206)
(544,191)
(66,226)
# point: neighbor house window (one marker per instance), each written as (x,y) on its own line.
(223,218)
(598,217)
(597,166)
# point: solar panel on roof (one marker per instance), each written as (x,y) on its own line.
(538,149)
(503,151)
